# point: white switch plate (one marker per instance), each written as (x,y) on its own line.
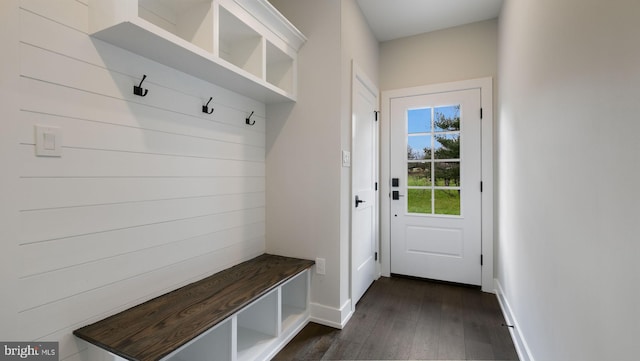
(48,141)
(320,266)
(346,158)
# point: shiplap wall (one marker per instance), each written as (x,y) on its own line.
(150,193)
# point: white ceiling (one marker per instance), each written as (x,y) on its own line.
(392,19)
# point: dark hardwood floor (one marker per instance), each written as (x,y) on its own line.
(407,319)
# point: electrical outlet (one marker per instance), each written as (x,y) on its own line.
(320,266)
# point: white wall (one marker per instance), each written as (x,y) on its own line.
(459,53)
(303,150)
(9,112)
(569,156)
(149,194)
(308,191)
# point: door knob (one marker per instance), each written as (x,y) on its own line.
(395,195)
(358,201)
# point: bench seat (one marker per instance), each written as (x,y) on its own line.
(158,327)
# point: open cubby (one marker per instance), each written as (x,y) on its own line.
(191,20)
(213,345)
(280,68)
(294,301)
(240,45)
(245,46)
(257,326)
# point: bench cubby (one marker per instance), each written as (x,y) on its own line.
(295,301)
(257,327)
(213,345)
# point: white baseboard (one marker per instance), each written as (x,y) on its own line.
(330,316)
(522,348)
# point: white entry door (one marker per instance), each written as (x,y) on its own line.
(364,177)
(436,186)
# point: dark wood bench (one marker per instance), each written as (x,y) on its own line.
(158,327)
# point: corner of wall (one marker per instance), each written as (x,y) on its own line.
(9,82)
(332,317)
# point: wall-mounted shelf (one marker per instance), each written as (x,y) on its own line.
(246,46)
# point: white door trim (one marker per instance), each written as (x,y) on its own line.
(358,75)
(486,100)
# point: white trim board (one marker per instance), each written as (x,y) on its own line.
(329,316)
(522,348)
(486,99)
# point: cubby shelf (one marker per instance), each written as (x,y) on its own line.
(246,46)
(294,302)
(257,327)
(214,345)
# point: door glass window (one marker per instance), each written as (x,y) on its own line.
(419,200)
(433,160)
(419,147)
(419,174)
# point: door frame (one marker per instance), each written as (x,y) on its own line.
(486,100)
(358,75)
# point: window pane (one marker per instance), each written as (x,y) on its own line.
(419,147)
(447,174)
(433,134)
(447,201)
(447,118)
(419,120)
(419,201)
(418,174)
(447,146)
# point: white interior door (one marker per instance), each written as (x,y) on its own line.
(364,177)
(436,186)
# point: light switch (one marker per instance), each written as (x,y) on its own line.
(346,158)
(48,141)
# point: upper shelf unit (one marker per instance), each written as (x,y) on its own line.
(246,46)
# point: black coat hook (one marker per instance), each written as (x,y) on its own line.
(248,120)
(205,108)
(137,89)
